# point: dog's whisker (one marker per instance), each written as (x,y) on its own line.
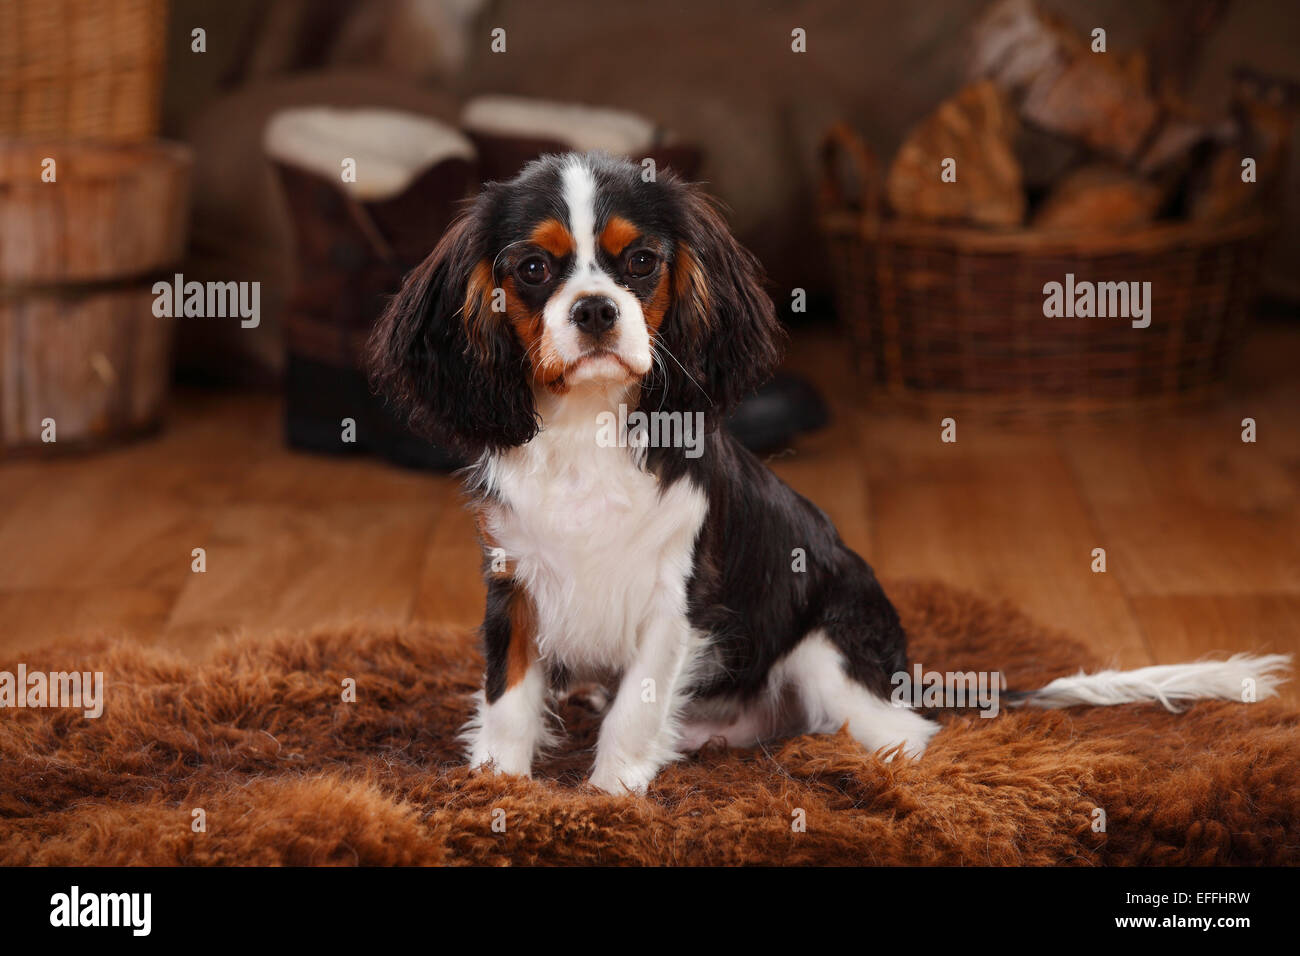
(689,377)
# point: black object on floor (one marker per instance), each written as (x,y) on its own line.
(787,406)
(321,396)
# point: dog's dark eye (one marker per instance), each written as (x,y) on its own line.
(534,270)
(641,264)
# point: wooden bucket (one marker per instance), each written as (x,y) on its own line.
(79,344)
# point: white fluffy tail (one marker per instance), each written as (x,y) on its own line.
(1167,683)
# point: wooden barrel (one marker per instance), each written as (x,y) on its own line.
(80,345)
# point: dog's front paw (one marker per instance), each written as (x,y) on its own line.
(495,765)
(501,756)
(620,777)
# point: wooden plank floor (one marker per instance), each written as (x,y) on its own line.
(1201,531)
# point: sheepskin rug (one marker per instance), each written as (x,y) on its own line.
(285,771)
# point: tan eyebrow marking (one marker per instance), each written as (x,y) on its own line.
(552,236)
(617,235)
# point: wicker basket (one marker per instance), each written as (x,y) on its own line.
(949,319)
(81,68)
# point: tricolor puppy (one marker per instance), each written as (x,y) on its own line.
(653,567)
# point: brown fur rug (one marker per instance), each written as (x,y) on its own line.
(286,772)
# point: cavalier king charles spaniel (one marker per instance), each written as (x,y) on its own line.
(668,563)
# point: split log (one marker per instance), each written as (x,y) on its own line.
(1102,100)
(1265,109)
(976,128)
(1099,197)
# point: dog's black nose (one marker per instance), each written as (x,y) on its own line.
(594,314)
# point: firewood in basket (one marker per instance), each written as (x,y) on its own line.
(976,129)
(1176,140)
(1103,100)
(1046,159)
(1014,42)
(1264,109)
(1099,197)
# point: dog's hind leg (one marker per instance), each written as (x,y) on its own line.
(831,698)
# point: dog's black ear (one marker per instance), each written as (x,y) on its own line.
(444,359)
(721,326)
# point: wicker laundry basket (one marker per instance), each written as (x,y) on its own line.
(950,319)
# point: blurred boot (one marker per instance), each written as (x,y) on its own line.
(355,242)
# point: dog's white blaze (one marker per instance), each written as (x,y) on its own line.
(579,190)
(588,278)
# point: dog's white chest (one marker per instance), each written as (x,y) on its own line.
(597,546)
